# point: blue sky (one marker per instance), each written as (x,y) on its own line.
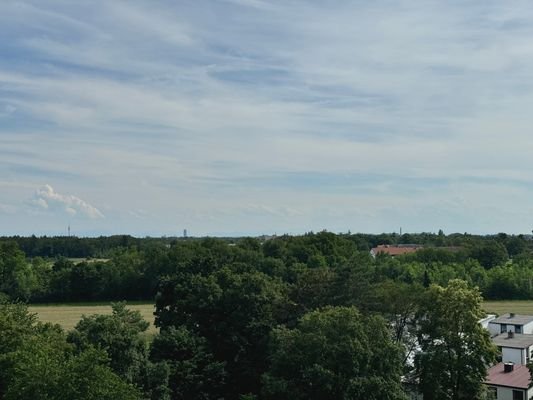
(228,117)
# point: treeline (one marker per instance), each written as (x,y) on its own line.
(107,246)
(75,247)
(501,265)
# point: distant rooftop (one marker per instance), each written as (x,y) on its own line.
(396,250)
(516,319)
(518,378)
(518,341)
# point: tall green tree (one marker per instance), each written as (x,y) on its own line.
(334,353)
(17,278)
(194,373)
(455,348)
(16,326)
(234,309)
(42,369)
(399,303)
(119,334)
(490,253)
(36,362)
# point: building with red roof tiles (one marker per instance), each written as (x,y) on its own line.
(394,251)
(508,381)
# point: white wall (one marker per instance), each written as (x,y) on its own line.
(507,393)
(485,321)
(528,328)
(495,328)
(518,356)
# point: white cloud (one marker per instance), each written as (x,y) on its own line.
(46,198)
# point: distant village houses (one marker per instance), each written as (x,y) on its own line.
(395,250)
(513,335)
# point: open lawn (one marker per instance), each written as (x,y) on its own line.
(68,315)
(506,306)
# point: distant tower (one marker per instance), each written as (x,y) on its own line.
(185,233)
(68,230)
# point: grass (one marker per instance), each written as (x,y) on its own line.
(506,306)
(68,315)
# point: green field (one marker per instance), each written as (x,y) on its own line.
(506,306)
(68,315)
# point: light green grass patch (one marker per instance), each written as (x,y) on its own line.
(68,315)
(507,306)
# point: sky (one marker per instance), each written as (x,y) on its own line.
(250,117)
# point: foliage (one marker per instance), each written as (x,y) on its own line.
(118,335)
(41,370)
(36,362)
(221,302)
(455,348)
(233,309)
(194,373)
(334,353)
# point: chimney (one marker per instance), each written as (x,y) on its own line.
(508,367)
(511,315)
(510,334)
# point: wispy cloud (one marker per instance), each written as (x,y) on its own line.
(340,115)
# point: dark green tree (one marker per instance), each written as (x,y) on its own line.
(43,370)
(334,353)
(119,334)
(17,278)
(36,362)
(490,253)
(194,373)
(233,309)
(455,348)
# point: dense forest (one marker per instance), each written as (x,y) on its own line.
(289,317)
(70,269)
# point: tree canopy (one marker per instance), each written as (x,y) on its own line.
(455,348)
(334,353)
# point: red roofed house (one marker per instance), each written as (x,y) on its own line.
(508,381)
(395,250)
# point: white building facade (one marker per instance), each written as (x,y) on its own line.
(521,324)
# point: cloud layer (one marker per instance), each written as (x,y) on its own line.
(255,116)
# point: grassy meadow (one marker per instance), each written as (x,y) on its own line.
(506,306)
(68,315)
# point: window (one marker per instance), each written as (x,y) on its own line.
(503,328)
(518,395)
(518,328)
(493,393)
